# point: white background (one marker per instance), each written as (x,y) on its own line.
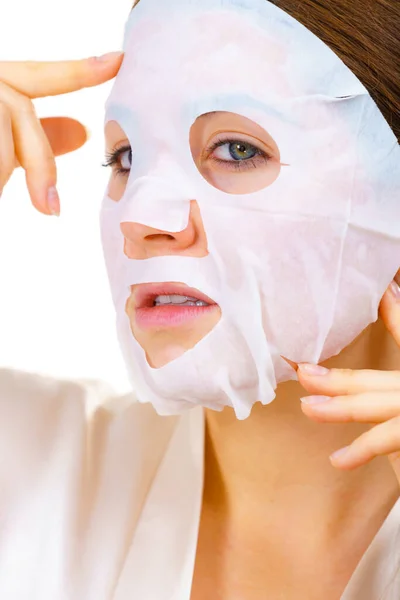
(56,315)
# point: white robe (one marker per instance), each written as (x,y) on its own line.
(100,498)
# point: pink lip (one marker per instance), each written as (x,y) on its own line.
(148,316)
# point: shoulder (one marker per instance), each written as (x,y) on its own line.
(23,393)
(77,462)
(38,412)
(50,428)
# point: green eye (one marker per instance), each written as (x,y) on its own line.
(235,150)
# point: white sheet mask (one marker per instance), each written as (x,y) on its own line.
(299,267)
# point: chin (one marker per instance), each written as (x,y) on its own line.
(160,357)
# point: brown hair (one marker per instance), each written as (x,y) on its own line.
(365,35)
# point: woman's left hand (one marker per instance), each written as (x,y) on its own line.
(365,396)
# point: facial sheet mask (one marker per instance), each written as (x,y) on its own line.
(299,267)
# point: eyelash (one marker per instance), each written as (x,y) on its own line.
(112,158)
(249,163)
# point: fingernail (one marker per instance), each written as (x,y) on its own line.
(315,399)
(395,289)
(339,453)
(110,56)
(313,369)
(53,201)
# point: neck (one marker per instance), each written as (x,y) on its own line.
(276,463)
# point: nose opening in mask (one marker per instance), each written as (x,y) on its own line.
(143,242)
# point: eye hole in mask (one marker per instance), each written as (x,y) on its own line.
(118,158)
(233,153)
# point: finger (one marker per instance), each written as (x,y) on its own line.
(380,440)
(6,146)
(32,148)
(361,408)
(389,310)
(341,382)
(64,134)
(39,79)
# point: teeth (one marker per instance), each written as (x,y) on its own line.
(162,300)
(178,300)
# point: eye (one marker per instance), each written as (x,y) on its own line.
(235,151)
(236,154)
(121,159)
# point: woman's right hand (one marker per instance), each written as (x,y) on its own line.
(31,143)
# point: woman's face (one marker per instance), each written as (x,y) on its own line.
(251,224)
(233,154)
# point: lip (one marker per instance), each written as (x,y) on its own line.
(148,316)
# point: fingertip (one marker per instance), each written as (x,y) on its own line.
(109,58)
(390,300)
(394,291)
(39,203)
(38,194)
(312,370)
(39,206)
(389,310)
(103,68)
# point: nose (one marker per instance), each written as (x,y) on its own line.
(143,242)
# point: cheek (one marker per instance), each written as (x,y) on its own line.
(242,182)
(117,186)
(115,136)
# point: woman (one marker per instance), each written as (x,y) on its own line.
(112,493)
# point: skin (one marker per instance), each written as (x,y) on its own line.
(141,242)
(31,143)
(294,524)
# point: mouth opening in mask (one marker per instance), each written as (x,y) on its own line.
(167,304)
(169,318)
